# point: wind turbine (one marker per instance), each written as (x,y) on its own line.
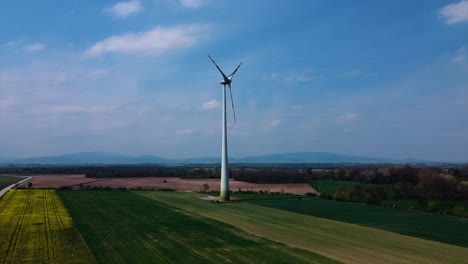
(224,190)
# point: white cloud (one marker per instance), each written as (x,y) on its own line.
(78,109)
(34,47)
(187,131)
(348,117)
(213,104)
(460,55)
(297,107)
(156,41)
(274,123)
(455,13)
(193,3)
(124,9)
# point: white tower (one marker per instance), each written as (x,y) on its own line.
(224,190)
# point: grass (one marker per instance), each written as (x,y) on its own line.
(123,227)
(35,228)
(256,196)
(442,228)
(345,242)
(8,180)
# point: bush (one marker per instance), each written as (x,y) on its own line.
(326,195)
(166,190)
(341,196)
(459,210)
(434,206)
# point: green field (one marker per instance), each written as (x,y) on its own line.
(256,196)
(345,242)
(175,227)
(35,228)
(123,227)
(442,228)
(8,180)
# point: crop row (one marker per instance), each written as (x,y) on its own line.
(35,227)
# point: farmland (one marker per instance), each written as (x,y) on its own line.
(35,228)
(341,241)
(123,227)
(442,228)
(78,181)
(8,180)
(175,227)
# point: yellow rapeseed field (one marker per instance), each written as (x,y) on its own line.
(35,227)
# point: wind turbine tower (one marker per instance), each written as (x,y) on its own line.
(224,190)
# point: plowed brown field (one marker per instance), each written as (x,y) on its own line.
(178,184)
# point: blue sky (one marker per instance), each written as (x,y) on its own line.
(371,78)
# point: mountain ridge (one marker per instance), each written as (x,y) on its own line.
(293,157)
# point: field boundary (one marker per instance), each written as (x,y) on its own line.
(9,187)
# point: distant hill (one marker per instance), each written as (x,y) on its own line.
(5,160)
(314,157)
(111,158)
(91,158)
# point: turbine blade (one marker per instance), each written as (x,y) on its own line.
(232,103)
(222,73)
(234,72)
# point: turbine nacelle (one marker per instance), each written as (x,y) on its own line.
(226,82)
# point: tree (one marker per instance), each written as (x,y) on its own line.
(436,186)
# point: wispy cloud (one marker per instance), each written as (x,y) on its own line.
(186,131)
(460,55)
(9,102)
(348,117)
(193,3)
(270,77)
(125,9)
(350,74)
(61,79)
(297,107)
(455,13)
(274,123)
(13,43)
(289,78)
(98,73)
(299,77)
(34,47)
(156,41)
(213,104)
(79,109)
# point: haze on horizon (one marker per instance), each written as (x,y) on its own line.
(369,78)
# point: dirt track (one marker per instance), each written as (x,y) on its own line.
(56,181)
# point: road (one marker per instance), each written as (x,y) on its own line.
(6,189)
